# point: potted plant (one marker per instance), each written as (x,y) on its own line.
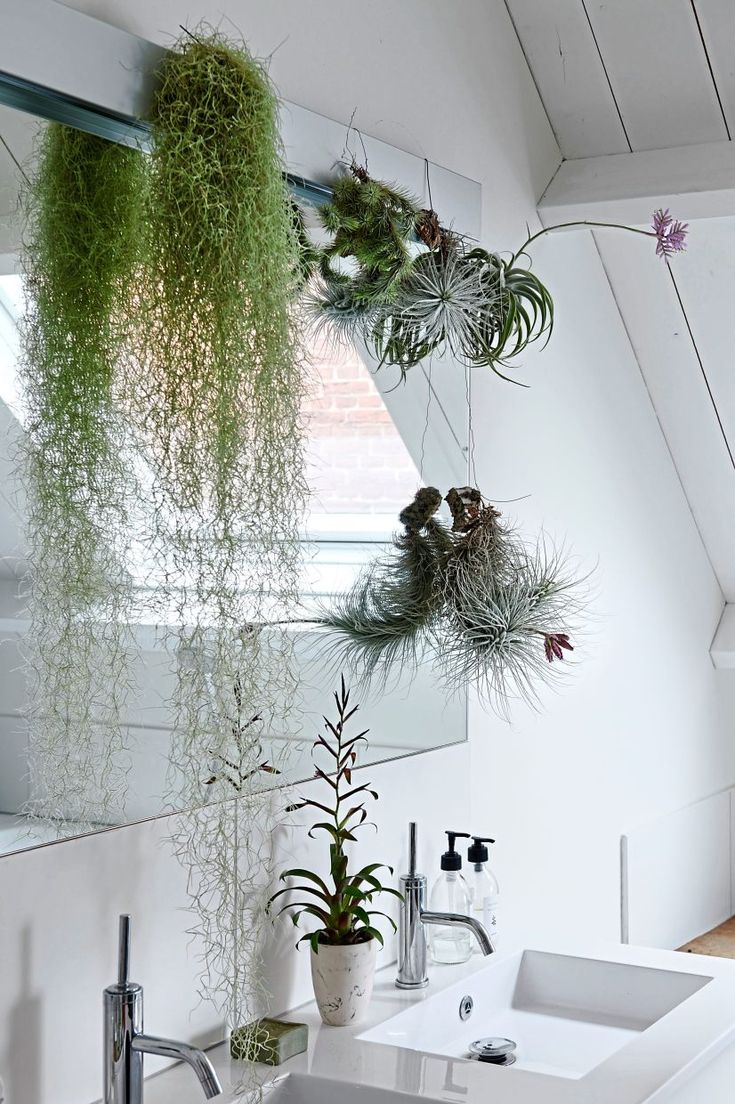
(343,946)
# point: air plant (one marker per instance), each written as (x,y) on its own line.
(372,223)
(490,609)
(417,288)
(477,305)
(509,608)
(669,233)
(342,909)
(383,622)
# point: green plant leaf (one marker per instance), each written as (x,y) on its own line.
(352,892)
(376,935)
(299,872)
(322,895)
(337,834)
(297,908)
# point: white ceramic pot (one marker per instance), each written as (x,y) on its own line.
(343,981)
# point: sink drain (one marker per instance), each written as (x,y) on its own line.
(493,1049)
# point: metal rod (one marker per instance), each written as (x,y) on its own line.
(123,951)
(48,104)
(412,848)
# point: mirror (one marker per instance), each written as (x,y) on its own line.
(362,472)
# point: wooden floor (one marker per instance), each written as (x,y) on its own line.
(720,941)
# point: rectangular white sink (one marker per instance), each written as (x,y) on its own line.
(566,1015)
(603,1024)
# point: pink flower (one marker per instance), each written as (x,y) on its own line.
(670,234)
(553,644)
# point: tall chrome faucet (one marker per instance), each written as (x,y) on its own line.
(412,954)
(125,1044)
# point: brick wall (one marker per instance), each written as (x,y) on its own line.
(357,462)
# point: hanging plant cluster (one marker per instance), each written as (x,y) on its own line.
(487,608)
(407,286)
(164,378)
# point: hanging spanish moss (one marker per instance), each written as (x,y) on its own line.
(216,381)
(82,243)
(488,608)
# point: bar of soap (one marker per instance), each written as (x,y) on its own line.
(269,1041)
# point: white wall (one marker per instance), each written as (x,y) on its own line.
(645,725)
(640,729)
(58,929)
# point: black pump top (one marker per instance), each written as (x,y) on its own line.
(451,859)
(477,852)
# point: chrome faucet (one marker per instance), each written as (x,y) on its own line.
(412,954)
(125,1044)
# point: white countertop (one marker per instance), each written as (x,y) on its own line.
(336,1053)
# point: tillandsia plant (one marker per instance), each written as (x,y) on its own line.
(478,306)
(81,252)
(384,621)
(488,608)
(416,288)
(341,905)
(215,382)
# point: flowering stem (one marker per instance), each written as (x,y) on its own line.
(580,222)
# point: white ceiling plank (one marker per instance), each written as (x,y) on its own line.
(696,182)
(561,51)
(655,324)
(658,69)
(717,20)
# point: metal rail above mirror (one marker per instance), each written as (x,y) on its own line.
(87,74)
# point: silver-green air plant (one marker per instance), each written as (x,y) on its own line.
(81,253)
(383,622)
(488,608)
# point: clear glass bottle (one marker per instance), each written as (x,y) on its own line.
(483,886)
(450,893)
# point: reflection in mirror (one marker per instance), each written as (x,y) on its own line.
(361,473)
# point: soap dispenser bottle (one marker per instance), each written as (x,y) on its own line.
(450,893)
(483,886)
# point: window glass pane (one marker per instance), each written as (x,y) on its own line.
(359,470)
(11,309)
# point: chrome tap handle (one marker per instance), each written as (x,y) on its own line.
(412,957)
(413,920)
(123,951)
(124,1041)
